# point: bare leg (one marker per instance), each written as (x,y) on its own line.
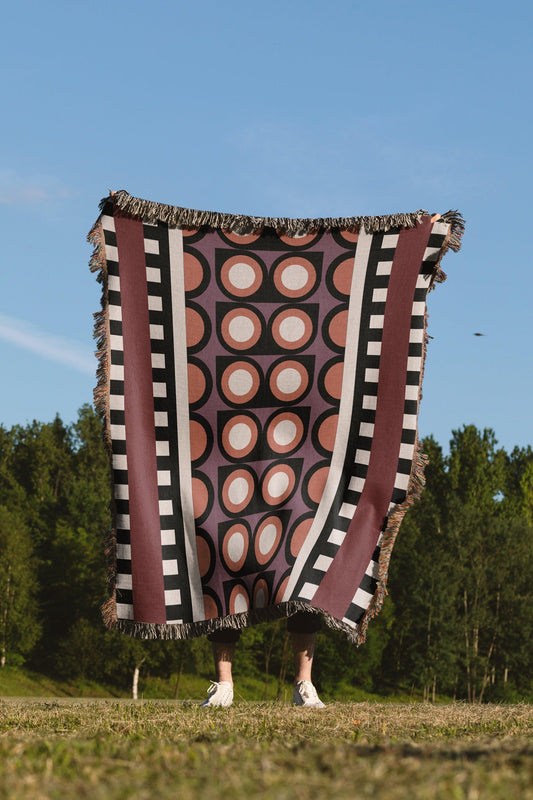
(223,655)
(303,645)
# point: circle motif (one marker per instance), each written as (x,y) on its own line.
(267,539)
(337,328)
(342,276)
(200,497)
(240,382)
(350,236)
(241,275)
(240,238)
(284,432)
(333,380)
(198,437)
(295,276)
(298,241)
(289,380)
(193,272)
(316,482)
(194,326)
(203,553)
(327,431)
(292,328)
(235,546)
(278,484)
(241,328)
(261,594)
(211,610)
(299,534)
(238,490)
(239,435)
(198,388)
(239,601)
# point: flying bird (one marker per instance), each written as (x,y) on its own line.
(480,334)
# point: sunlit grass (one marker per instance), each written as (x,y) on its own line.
(118,749)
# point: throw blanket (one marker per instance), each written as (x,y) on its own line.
(259,380)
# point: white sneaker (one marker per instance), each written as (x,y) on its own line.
(304,694)
(220,694)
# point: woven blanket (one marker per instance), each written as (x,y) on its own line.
(259,379)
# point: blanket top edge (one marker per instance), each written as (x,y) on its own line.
(177,216)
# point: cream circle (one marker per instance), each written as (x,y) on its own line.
(240,436)
(284,432)
(236,546)
(241,603)
(278,485)
(267,538)
(241,275)
(288,381)
(294,277)
(292,329)
(240,382)
(238,491)
(241,329)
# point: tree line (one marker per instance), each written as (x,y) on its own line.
(458,620)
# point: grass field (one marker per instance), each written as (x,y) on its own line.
(123,749)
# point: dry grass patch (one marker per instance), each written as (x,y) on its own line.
(115,749)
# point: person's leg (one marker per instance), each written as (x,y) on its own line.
(303,628)
(223,642)
(303,647)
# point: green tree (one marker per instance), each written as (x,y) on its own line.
(19,624)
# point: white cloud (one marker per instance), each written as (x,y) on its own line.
(30,190)
(56,348)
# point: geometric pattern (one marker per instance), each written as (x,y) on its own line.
(262,396)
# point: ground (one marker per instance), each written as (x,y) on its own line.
(116,749)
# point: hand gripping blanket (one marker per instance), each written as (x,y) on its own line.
(259,379)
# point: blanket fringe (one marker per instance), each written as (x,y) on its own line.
(242,224)
(98,265)
(188,630)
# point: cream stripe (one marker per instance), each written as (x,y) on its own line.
(177,283)
(345,410)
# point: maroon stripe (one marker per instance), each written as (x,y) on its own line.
(145,529)
(337,589)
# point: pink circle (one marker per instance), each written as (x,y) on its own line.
(241,328)
(239,600)
(289,380)
(297,241)
(241,275)
(239,435)
(299,535)
(240,238)
(294,276)
(193,272)
(292,328)
(267,538)
(240,382)
(278,484)
(327,432)
(333,380)
(285,432)
(238,490)
(342,277)
(194,326)
(235,546)
(337,328)
(316,483)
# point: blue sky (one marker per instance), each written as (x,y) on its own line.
(294,108)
